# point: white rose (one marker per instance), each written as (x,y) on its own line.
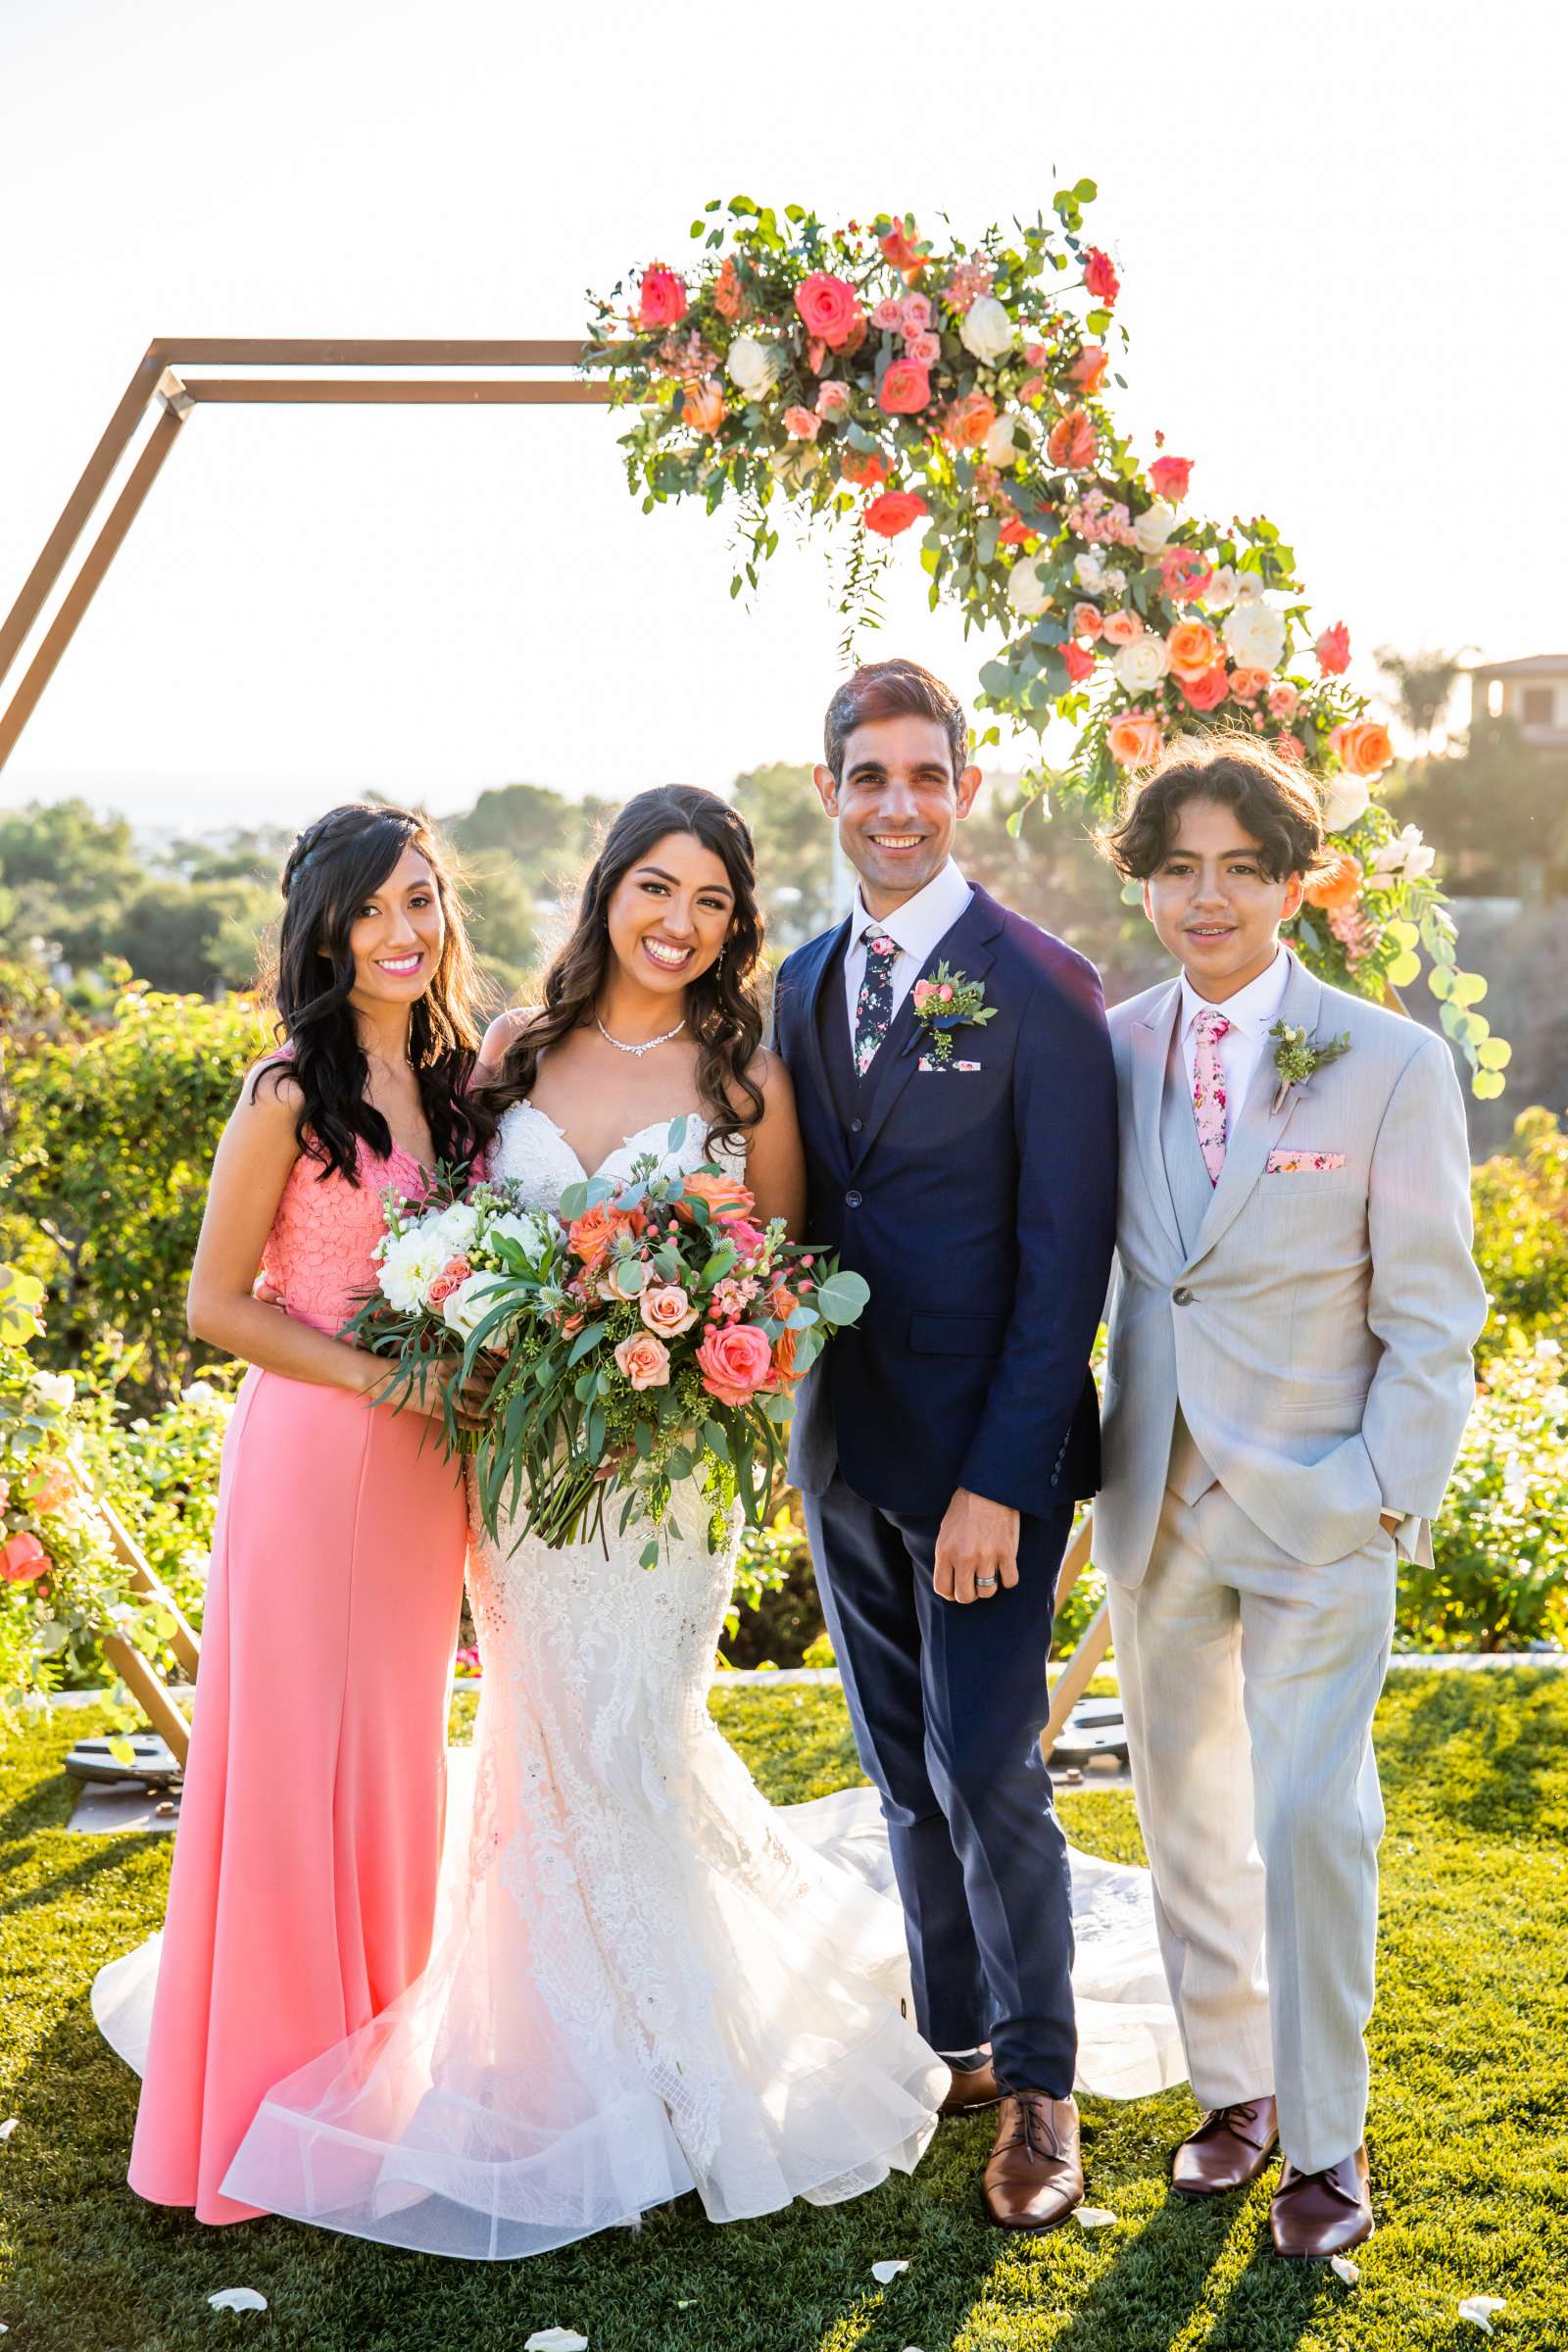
(1001,447)
(1249,588)
(987,331)
(468,1304)
(1027,592)
(1254,633)
(57,1389)
(1154,527)
(1097,577)
(456,1229)
(1346,799)
(1140,664)
(1223,588)
(753,366)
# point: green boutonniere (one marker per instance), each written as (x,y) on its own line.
(1297,1057)
(946,1001)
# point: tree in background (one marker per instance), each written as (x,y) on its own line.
(1423,687)
(1499,809)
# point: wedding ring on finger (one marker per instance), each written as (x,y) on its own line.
(984,1584)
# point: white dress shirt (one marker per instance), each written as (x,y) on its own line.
(918,925)
(1251,1012)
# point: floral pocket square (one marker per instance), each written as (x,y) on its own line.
(944,1069)
(1303,1163)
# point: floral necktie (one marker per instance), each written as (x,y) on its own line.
(1208,1089)
(873,1008)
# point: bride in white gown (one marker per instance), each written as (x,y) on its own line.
(645,1980)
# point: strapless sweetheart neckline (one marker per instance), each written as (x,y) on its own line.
(654,1127)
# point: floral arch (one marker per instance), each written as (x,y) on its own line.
(875,378)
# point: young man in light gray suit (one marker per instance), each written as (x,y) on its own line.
(1290,1372)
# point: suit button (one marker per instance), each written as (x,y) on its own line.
(1183,1297)
(855,1125)
(852,1200)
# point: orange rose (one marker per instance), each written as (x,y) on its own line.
(1193,648)
(1247,685)
(1086,620)
(728,300)
(1087,371)
(1072,444)
(593,1234)
(1134,740)
(1361,746)
(865,465)
(702,405)
(783,1360)
(724,1195)
(970,420)
(1338,884)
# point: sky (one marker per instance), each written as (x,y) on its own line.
(1341,233)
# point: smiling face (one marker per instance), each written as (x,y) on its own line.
(898,806)
(670,914)
(1213,901)
(397,936)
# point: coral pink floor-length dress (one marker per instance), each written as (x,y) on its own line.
(307,1858)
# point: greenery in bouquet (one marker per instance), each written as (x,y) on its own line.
(890,381)
(648,1340)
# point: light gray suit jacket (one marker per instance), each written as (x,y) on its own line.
(1318,1333)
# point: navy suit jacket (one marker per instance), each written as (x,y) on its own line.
(980,1206)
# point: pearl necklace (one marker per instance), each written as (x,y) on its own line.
(622,1048)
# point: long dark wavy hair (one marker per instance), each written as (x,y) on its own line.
(723,1009)
(334,868)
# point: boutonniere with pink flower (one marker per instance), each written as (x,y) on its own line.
(946,1001)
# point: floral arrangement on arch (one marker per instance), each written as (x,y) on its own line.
(874,376)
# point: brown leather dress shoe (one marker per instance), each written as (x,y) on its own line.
(1317,2214)
(974,2088)
(1036,2175)
(1230,2147)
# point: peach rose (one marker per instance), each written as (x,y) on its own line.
(832,400)
(665,1309)
(905,389)
(661,298)
(1183,573)
(23,1558)
(724,1195)
(1333,651)
(829,308)
(1087,371)
(1078,661)
(735,1360)
(702,405)
(894,512)
(1086,620)
(800,424)
(1134,740)
(453,1275)
(782,1300)
(897,249)
(914,313)
(728,300)
(867,467)
(1338,884)
(50,1490)
(1169,477)
(1072,444)
(1206,693)
(644,1360)
(925,349)
(889,314)
(968,420)
(590,1237)
(1122,627)
(1284,700)
(1247,685)
(783,1373)
(1194,649)
(1361,747)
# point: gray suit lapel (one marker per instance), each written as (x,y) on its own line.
(1260,1126)
(1148,1044)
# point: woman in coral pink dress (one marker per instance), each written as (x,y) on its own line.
(306,1863)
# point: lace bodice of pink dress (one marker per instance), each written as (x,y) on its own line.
(317,1254)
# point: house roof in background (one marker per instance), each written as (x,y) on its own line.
(1533,666)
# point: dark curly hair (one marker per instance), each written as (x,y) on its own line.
(334,868)
(723,1009)
(1274,801)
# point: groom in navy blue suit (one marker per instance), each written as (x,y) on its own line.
(940,1445)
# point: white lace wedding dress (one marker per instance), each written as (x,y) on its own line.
(645,1980)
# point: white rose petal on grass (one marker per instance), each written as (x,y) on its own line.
(1343,2270)
(1094,2216)
(239,2298)
(556,2339)
(1477,2309)
(885,2272)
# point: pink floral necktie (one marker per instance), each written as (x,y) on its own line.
(1208,1089)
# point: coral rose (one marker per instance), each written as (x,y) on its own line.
(1170,477)
(665,1309)
(702,405)
(1207,692)
(1333,651)
(661,298)
(894,512)
(832,400)
(725,1196)
(23,1558)
(897,249)
(1338,884)
(1086,620)
(828,307)
(1072,444)
(735,1360)
(867,467)
(800,424)
(1194,649)
(905,389)
(925,349)
(1078,661)
(1087,371)
(1361,746)
(1284,700)
(968,420)
(1247,685)
(592,1235)
(1100,277)
(1014,531)
(644,1361)
(728,300)
(1134,740)
(1183,573)
(1122,627)
(783,1373)
(51,1489)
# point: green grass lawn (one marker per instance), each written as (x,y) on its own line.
(1469,2123)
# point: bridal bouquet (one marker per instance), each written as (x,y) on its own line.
(649,1336)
